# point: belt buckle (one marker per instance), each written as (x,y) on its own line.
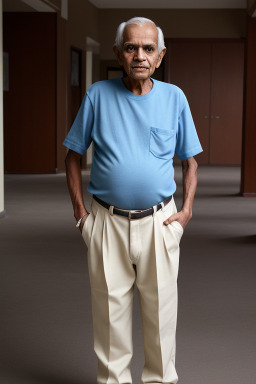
(133,211)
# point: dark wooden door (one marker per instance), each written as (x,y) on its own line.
(30,103)
(226,103)
(189,67)
(211,75)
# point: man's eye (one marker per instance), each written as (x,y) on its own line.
(130,48)
(149,49)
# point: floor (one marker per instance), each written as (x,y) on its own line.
(46,325)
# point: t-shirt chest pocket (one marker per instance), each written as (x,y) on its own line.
(162,143)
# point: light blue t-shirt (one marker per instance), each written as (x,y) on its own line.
(135,138)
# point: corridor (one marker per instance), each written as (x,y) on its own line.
(46,330)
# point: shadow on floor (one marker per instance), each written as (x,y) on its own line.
(243,240)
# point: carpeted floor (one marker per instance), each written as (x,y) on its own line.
(46,325)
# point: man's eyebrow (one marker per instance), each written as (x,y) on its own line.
(144,45)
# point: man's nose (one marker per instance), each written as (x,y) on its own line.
(140,55)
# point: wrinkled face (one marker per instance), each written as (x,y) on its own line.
(139,55)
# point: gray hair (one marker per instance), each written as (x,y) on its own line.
(138,21)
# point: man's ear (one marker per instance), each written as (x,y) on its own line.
(118,55)
(160,57)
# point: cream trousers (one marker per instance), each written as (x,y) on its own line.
(115,246)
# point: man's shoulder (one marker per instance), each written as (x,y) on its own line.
(168,87)
(172,92)
(103,86)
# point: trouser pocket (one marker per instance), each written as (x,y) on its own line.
(175,227)
(87,229)
(178,229)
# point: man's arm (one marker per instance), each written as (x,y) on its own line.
(189,171)
(74,180)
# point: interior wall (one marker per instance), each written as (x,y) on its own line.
(83,21)
(2,212)
(56,3)
(62,91)
(248,181)
(96,67)
(178,23)
(250,4)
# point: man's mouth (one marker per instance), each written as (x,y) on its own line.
(139,67)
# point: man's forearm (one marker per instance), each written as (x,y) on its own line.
(74,180)
(189,170)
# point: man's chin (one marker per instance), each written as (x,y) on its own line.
(140,75)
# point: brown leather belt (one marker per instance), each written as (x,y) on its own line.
(136,213)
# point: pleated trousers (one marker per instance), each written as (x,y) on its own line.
(115,245)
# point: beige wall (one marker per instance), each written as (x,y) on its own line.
(83,20)
(202,23)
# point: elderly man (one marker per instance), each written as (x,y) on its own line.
(133,230)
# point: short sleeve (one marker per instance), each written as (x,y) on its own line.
(188,143)
(79,136)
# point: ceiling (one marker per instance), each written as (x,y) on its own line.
(29,5)
(171,4)
(26,6)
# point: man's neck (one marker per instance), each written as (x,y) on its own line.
(138,87)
